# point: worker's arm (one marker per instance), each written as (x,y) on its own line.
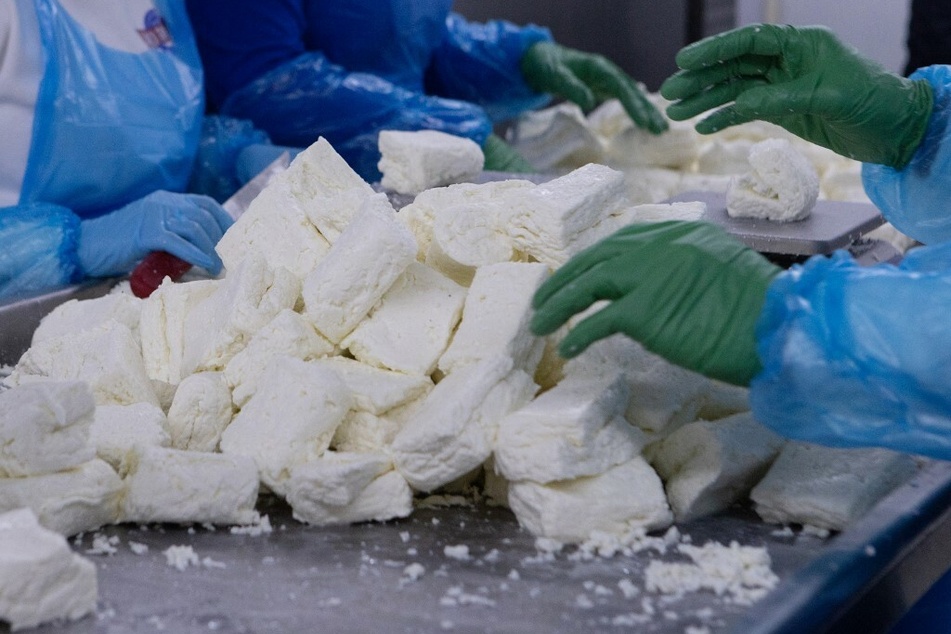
(38,249)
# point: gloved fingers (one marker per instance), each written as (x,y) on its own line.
(611,319)
(717,95)
(572,88)
(723,118)
(754,39)
(202,255)
(796,97)
(638,107)
(601,282)
(214,212)
(502,157)
(687,83)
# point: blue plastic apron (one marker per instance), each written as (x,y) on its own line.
(112,126)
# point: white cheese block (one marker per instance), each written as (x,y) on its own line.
(575,429)
(363,263)
(651,184)
(782,185)
(497,316)
(290,420)
(332,213)
(707,466)
(376,390)
(724,156)
(42,579)
(363,432)
(77,315)
(628,496)
(544,221)
(559,136)
(169,485)
(465,237)
(246,300)
(68,502)
(411,326)
(414,161)
(44,427)
(828,487)
(162,326)
(116,429)
(289,334)
(454,429)
(107,358)
(661,212)
(200,412)
(676,148)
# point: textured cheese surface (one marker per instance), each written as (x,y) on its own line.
(828,487)
(626,497)
(496,317)
(200,412)
(41,579)
(376,390)
(116,429)
(411,326)
(465,237)
(44,427)
(290,420)
(415,161)
(75,316)
(68,502)
(707,466)
(362,431)
(363,263)
(169,485)
(385,497)
(782,185)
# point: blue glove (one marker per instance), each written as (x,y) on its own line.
(186,225)
(254,158)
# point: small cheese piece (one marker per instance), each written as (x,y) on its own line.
(78,315)
(169,485)
(454,429)
(363,263)
(465,237)
(108,358)
(290,420)
(376,390)
(575,429)
(828,487)
(411,326)
(782,185)
(221,325)
(200,412)
(707,466)
(290,334)
(496,318)
(43,580)
(559,136)
(412,162)
(68,502)
(162,326)
(44,427)
(628,496)
(116,429)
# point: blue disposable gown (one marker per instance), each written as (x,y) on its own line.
(861,356)
(346,69)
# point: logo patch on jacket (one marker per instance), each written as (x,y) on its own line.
(155,33)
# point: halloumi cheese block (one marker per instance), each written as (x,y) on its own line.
(363,432)
(345,488)
(644,185)
(782,185)
(465,237)
(559,136)
(575,429)
(413,161)
(170,485)
(708,465)
(626,497)
(333,212)
(724,156)
(107,358)
(68,502)
(376,390)
(162,326)
(496,318)
(411,326)
(828,487)
(290,420)
(44,428)
(453,431)
(363,263)
(41,578)
(116,429)
(200,412)
(77,315)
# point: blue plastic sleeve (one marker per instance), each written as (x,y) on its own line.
(39,249)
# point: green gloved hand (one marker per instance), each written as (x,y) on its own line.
(587,80)
(502,157)
(807,81)
(685,290)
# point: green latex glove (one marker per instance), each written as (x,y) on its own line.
(501,157)
(807,81)
(587,80)
(685,290)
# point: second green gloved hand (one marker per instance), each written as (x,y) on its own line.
(502,157)
(807,81)
(685,290)
(587,80)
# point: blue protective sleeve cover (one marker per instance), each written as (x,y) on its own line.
(39,251)
(859,356)
(222,139)
(915,199)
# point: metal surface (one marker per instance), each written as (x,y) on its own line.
(831,225)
